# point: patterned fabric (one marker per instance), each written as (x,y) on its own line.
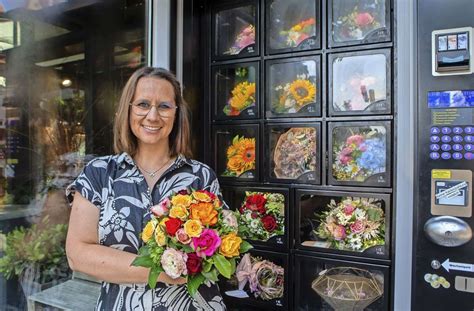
(116,186)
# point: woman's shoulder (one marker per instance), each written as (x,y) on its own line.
(195,164)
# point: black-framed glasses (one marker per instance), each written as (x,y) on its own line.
(142,108)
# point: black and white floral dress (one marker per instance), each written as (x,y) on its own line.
(116,186)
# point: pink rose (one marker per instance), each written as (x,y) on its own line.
(349,209)
(357,226)
(162,208)
(207,243)
(355,139)
(339,233)
(364,19)
(182,237)
(344,160)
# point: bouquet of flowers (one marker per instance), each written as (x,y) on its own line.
(299,32)
(292,96)
(360,156)
(243,97)
(191,236)
(266,279)
(353,224)
(245,38)
(295,153)
(261,216)
(356,24)
(240,156)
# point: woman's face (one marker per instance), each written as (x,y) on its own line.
(153,128)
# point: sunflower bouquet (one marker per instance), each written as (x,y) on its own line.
(299,32)
(291,97)
(265,278)
(240,156)
(353,224)
(242,97)
(356,24)
(360,156)
(261,215)
(190,235)
(245,38)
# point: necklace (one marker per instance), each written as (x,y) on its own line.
(153,174)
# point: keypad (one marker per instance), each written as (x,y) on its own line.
(452,143)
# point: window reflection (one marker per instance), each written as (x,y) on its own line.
(62,67)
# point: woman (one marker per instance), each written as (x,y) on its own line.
(113,196)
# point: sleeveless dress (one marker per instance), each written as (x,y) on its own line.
(116,186)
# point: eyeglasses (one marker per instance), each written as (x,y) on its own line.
(142,108)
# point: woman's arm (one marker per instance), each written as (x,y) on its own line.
(86,255)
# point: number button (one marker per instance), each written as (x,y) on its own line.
(446,130)
(446,139)
(457,156)
(469,139)
(457,139)
(457,147)
(469,130)
(457,130)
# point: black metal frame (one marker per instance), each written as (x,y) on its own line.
(298,257)
(228,6)
(268,153)
(388,223)
(383,35)
(214,101)
(299,48)
(276,243)
(388,165)
(318,104)
(388,82)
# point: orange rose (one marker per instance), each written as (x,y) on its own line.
(204,212)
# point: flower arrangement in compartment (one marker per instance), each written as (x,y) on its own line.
(353,224)
(298,33)
(242,95)
(261,278)
(295,153)
(348,288)
(292,97)
(359,22)
(262,216)
(190,235)
(240,157)
(360,156)
(244,39)
(360,83)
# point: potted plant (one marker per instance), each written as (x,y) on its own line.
(36,255)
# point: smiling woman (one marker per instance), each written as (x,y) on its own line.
(114,196)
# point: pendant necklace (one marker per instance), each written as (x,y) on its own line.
(153,174)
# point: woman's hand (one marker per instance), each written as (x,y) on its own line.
(165,278)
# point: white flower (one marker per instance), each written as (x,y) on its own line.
(355,242)
(174,263)
(229,218)
(255,223)
(360,214)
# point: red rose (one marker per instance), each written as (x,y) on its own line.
(172,225)
(242,209)
(269,223)
(194,263)
(256,203)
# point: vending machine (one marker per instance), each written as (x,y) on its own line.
(443,251)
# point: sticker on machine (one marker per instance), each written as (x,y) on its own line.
(451,192)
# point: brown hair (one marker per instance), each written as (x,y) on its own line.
(125,140)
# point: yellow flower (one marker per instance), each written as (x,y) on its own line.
(297,27)
(162,222)
(183,200)
(243,155)
(148,231)
(303,91)
(179,211)
(160,237)
(230,245)
(193,228)
(202,196)
(243,95)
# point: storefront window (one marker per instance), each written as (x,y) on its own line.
(62,67)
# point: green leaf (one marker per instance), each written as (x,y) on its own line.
(212,275)
(245,247)
(152,277)
(187,249)
(232,265)
(223,265)
(143,261)
(194,282)
(206,266)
